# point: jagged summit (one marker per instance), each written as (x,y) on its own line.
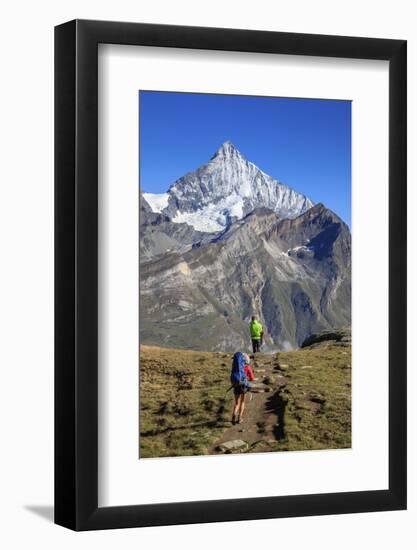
(224,190)
(226,151)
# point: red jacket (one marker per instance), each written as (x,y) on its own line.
(249,373)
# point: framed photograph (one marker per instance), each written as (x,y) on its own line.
(230,244)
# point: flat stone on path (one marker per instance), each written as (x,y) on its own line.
(307,367)
(235,445)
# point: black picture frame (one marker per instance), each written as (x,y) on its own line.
(76,272)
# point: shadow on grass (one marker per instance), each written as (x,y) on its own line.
(276,404)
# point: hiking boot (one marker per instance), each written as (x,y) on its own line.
(233,420)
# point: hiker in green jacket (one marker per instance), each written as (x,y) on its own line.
(256,333)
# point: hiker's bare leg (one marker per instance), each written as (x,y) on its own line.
(241,405)
(235,407)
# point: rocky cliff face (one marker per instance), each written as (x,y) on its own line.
(159,235)
(293,273)
(225,190)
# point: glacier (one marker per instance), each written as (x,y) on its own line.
(157,201)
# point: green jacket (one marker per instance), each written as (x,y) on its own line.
(256,330)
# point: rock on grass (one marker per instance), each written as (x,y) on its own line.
(234,446)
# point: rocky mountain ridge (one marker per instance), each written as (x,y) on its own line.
(293,273)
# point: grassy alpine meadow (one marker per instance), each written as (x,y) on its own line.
(317,399)
(185,408)
(184,403)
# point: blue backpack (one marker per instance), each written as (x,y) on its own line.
(238,376)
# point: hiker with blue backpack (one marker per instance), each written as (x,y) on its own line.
(240,377)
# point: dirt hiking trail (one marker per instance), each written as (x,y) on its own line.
(263,421)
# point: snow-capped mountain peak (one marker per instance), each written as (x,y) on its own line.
(226,189)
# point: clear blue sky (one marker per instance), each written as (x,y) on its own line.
(305,143)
